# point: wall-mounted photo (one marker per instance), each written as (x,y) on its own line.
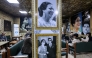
(7,25)
(76,22)
(47,11)
(47,45)
(85,22)
(25,23)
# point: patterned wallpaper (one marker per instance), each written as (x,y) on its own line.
(4,16)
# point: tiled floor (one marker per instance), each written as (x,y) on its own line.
(86,55)
(69,56)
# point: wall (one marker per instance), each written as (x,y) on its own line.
(17,21)
(14,20)
(4,16)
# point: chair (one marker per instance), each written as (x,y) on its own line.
(8,38)
(3,55)
(64,49)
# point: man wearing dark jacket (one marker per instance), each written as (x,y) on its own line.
(27,46)
(51,49)
(3,37)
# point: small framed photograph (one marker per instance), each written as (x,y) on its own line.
(25,23)
(7,25)
(46,45)
(47,14)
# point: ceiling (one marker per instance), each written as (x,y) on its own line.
(69,7)
(13,9)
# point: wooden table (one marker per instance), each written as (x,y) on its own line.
(4,43)
(13,42)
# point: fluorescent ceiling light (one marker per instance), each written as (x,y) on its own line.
(23,12)
(13,1)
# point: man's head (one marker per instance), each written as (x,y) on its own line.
(49,40)
(86,27)
(29,35)
(3,33)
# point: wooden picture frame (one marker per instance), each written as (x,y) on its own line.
(7,25)
(47,39)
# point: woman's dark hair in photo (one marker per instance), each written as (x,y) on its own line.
(43,40)
(73,19)
(42,7)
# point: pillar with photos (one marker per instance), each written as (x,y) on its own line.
(46,28)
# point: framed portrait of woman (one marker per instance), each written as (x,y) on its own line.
(46,45)
(47,14)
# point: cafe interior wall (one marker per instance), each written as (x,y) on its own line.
(5,16)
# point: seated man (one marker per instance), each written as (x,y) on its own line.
(3,37)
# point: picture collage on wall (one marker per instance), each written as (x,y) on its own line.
(80,23)
(46,29)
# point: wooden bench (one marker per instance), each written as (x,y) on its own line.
(15,50)
(3,55)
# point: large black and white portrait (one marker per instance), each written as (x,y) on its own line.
(85,22)
(25,23)
(46,46)
(47,13)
